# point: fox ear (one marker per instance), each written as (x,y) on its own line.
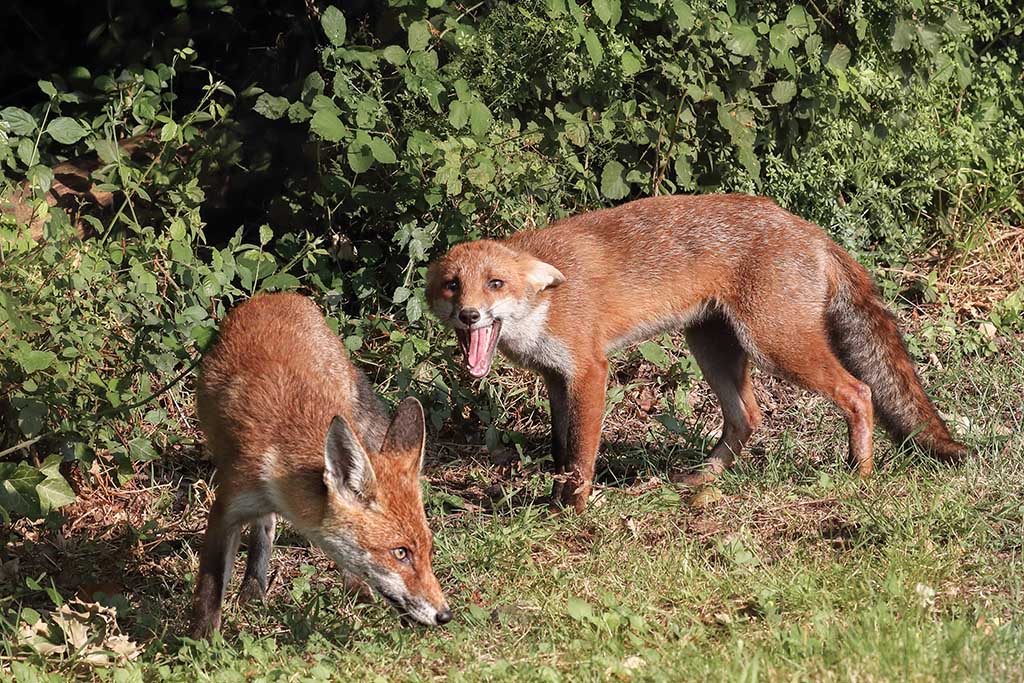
(347,467)
(407,434)
(542,275)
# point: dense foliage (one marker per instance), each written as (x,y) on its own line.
(300,145)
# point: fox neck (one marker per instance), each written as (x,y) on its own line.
(527,342)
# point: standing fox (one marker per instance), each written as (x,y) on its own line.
(294,429)
(746,280)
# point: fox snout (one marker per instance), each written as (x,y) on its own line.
(469,316)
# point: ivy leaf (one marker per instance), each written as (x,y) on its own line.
(18,488)
(784,91)
(419,36)
(327,125)
(270,106)
(613,182)
(382,151)
(334,25)
(66,130)
(53,491)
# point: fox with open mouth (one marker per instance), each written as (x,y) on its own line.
(749,282)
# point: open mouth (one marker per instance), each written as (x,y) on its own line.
(478,347)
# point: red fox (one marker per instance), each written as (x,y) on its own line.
(746,280)
(295,430)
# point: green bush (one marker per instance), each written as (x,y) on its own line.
(896,126)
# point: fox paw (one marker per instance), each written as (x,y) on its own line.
(251,590)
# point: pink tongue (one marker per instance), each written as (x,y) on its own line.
(479,342)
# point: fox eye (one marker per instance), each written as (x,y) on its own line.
(495,284)
(452,285)
(402,555)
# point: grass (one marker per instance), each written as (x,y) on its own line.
(789,569)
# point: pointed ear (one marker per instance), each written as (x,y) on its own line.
(407,434)
(347,467)
(542,275)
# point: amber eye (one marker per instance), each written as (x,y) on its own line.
(495,284)
(452,285)
(402,554)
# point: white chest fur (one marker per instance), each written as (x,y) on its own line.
(526,341)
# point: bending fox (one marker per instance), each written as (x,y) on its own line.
(294,429)
(747,281)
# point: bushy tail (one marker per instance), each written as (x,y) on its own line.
(867,340)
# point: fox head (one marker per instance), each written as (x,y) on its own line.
(374,524)
(478,287)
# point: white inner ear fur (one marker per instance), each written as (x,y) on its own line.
(346,463)
(543,275)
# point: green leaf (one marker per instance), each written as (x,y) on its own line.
(270,106)
(784,91)
(742,40)
(169,131)
(333,22)
(53,491)
(359,156)
(903,36)
(395,55)
(31,416)
(579,609)
(480,118)
(41,176)
(66,130)
(21,122)
(413,309)
(47,87)
(27,152)
(32,361)
(684,15)
(280,281)
(141,450)
(840,57)
(630,64)
(328,126)
(419,36)
(266,234)
(458,114)
(353,342)
(594,47)
(401,294)
(608,11)
(652,351)
(613,181)
(18,488)
(382,151)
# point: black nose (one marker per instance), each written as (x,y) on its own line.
(443,617)
(469,315)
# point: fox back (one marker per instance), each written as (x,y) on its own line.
(295,429)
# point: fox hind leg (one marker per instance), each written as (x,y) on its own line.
(261,543)
(726,366)
(220,545)
(811,362)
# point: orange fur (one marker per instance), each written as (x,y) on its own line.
(748,281)
(294,429)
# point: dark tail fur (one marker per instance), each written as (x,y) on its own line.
(867,340)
